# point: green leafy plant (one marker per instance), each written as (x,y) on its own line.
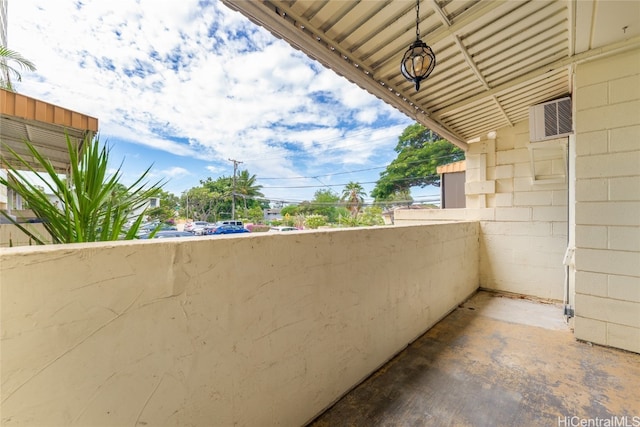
(94,205)
(353,196)
(372,215)
(315,221)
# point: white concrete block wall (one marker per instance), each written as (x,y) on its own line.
(524,226)
(523,223)
(523,246)
(607,206)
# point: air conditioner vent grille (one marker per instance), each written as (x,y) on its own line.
(550,120)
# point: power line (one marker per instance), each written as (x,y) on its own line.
(365,170)
(342,185)
(329,174)
(420,199)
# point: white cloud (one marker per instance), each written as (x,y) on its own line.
(174,172)
(214,169)
(199,81)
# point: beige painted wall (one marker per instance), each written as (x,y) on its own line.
(607,206)
(523,223)
(250,331)
(10,235)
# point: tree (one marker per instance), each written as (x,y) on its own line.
(220,199)
(255,215)
(420,152)
(372,216)
(213,199)
(397,198)
(324,203)
(202,204)
(94,205)
(353,195)
(291,210)
(166,211)
(247,188)
(6,70)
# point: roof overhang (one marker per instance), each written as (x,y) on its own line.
(460,166)
(494,58)
(43,124)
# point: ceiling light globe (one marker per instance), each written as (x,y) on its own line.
(418,62)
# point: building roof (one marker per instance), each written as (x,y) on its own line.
(460,166)
(494,58)
(45,125)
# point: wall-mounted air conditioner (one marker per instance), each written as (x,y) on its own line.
(550,120)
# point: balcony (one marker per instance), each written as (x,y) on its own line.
(497,360)
(251,330)
(274,329)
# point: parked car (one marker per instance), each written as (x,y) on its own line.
(195,225)
(230,222)
(200,230)
(227,229)
(283,228)
(166,233)
(150,226)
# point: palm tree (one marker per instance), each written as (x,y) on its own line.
(353,194)
(246,187)
(6,70)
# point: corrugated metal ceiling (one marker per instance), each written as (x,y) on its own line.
(45,125)
(49,140)
(494,58)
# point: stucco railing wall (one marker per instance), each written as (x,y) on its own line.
(251,330)
(10,235)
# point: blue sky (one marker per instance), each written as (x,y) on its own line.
(187,85)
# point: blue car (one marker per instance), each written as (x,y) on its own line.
(227,229)
(165,234)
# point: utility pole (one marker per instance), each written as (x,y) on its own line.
(233,191)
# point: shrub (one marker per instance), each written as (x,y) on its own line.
(315,221)
(94,205)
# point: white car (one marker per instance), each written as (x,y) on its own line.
(283,228)
(195,225)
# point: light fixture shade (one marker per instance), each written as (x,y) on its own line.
(418,62)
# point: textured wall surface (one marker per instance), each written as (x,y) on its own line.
(251,330)
(523,222)
(11,236)
(608,201)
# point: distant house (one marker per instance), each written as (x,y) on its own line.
(272,214)
(152,202)
(452,180)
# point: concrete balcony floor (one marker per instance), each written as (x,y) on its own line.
(496,361)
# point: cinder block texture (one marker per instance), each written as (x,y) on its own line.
(607,210)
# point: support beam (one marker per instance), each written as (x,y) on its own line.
(471,63)
(540,72)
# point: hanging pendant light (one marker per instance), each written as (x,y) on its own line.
(419,60)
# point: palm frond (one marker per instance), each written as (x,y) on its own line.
(93,206)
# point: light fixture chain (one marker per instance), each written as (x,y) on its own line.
(417,19)
(419,60)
